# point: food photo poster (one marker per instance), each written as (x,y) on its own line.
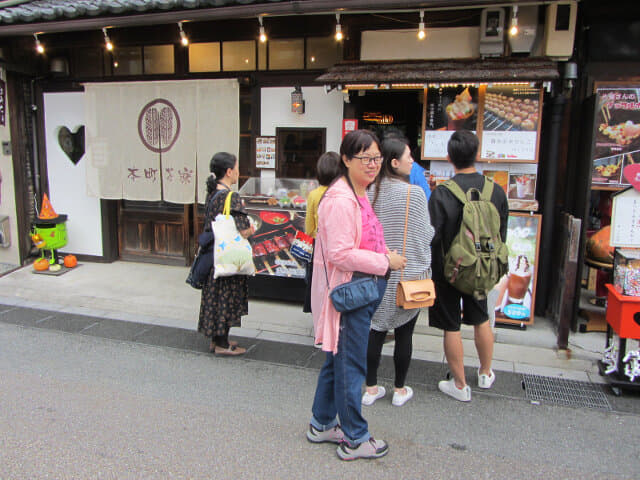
(617,135)
(446,110)
(511,122)
(517,290)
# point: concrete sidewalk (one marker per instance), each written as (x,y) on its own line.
(157,295)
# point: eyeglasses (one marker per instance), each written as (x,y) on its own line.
(367,160)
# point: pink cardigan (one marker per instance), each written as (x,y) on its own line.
(338,237)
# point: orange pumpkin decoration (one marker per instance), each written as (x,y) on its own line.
(70,261)
(41,265)
(598,247)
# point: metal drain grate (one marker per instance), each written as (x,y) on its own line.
(564,392)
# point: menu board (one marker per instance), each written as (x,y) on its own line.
(617,132)
(265,152)
(625,219)
(517,289)
(447,109)
(511,123)
(506,118)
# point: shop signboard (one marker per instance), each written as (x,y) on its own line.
(625,219)
(349,125)
(617,135)
(517,290)
(265,152)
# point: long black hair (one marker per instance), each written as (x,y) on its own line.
(392,147)
(219,165)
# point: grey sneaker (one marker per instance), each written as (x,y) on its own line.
(369,449)
(333,435)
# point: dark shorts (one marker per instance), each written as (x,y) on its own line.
(445,312)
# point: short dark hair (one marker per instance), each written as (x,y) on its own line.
(328,168)
(355,142)
(463,148)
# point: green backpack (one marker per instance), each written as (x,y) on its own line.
(478,257)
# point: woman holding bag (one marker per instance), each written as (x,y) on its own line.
(349,243)
(224,299)
(389,199)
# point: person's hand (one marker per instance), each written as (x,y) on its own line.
(246,233)
(396,261)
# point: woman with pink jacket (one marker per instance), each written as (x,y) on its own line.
(349,243)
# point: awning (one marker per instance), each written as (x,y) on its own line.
(427,71)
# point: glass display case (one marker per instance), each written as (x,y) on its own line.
(276,208)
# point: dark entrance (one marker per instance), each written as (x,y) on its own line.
(382,110)
(298,151)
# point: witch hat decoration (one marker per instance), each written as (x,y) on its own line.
(46,211)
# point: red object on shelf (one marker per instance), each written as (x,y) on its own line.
(623,313)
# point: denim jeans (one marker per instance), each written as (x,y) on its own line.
(339,390)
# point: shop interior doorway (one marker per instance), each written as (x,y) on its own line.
(384,110)
(299,150)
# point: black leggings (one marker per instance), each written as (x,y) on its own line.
(401,352)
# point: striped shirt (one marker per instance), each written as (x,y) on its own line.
(390,210)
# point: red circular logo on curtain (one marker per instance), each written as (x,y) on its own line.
(159,125)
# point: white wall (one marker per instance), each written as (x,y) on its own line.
(322,110)
(440,43)
(7,191)
(67,182)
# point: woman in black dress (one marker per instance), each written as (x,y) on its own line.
(224,299)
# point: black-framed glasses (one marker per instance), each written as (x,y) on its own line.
(367,160)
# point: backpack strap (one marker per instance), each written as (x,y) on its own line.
(455,189)
(487,189)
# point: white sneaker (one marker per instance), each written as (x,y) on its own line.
(368,399)
(449,387)
(399,399)
(485,381)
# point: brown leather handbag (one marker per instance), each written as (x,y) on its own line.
(413,293)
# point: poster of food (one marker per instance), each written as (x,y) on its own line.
(447,109)
(266,152)
(617,135)
(510,123)
(517,290)
(500,177)
(275,230)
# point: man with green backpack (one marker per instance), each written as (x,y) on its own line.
(469,214)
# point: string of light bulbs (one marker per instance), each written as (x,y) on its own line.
(339,34)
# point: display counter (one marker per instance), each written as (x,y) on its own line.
(276,209)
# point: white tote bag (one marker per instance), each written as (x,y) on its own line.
(232,253)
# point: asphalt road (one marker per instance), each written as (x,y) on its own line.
(77,406)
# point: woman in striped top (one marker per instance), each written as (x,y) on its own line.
(389,199)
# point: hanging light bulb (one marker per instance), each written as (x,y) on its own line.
(263,35)
(339,35)
(421,33)
(183,36)
(39,46)
(107,41)
(513,31)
